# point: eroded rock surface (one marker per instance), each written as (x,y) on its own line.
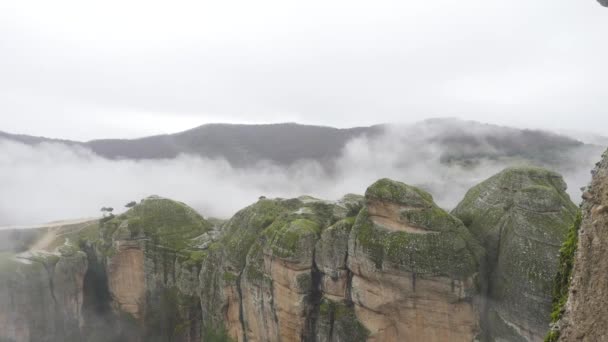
(587,306)
(521,216)
(41,297)
(413,278)
(387,266)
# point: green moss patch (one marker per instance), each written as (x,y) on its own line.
(244,228)
(452,253)
(165,222)
(285,237)
(392,191)
(564,275)
(341,315)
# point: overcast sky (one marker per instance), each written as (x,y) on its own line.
(91,69)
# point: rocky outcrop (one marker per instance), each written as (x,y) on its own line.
(150,256)
(521,216)
(413,268)
(586,308)
(387,266)
(41,297)
(270,264)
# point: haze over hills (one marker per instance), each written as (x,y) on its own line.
(286,143)
(220,168)
(241,145)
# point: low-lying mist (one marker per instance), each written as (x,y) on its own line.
(51,181)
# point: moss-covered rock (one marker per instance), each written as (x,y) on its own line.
(337,322)
(331,250)
(583,266)
(397,192)
(521,216)
(563,278)
(166,222)
(443,247)
(41,296)
(410,258)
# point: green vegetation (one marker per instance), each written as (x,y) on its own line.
(244,228)
(346,326)
(353,209)
(392,191)
(166,223)
(169,223)
(453,252)
(431,218)
(216,335)
(47,260)
(564,275)
(284,237)
(68,250)
(230,278)
(520,215)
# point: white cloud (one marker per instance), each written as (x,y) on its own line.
(72,69)
(52,182)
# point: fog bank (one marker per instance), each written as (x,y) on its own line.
(51,181)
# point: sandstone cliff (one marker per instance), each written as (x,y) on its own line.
(387,266)
(414,267)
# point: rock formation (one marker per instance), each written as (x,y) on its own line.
(586,308)
(413,268)
(41,294)
(521,216)
(387,266)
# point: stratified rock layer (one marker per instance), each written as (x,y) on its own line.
(585,317)
(521,216)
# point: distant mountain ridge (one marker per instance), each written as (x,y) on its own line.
(241,145)
(286,143)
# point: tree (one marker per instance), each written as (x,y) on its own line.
(107,210)
(130,204)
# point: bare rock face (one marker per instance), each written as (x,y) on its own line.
(331,256)
(521,216)
(41,297)
(126,278)
(414,268)
(585,317)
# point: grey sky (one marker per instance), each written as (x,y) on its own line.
(83,70)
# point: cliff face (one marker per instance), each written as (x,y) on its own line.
(41,295)
(42,301)
(521,216)
(587,306)
(387,266)
(413,267)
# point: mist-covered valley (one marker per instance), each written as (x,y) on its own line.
(45,180)
(313,171)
